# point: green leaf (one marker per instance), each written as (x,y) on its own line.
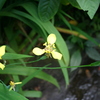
(93,53)
(65,72)
(62,47)
(26,41)
(9,49)
(76,58)
(2,2)
(65,2)
(65,21)
(92,44)
(90,6)
(5,94)
(11,37)
(97,63)
(47,9)
(35,94)
(14,56)
(31,72)
(67,15)
(86,35)
(74,3)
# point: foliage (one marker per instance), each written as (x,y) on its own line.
(25,25)
(6,94)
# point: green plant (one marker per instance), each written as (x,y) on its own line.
(24,23)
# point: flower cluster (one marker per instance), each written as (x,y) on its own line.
(49,49)
(2,52)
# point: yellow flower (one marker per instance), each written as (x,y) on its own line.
(2,52)
(12,84)
(49,48)
(2,66)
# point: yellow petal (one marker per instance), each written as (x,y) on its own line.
(18,83)
(56,55)
(12,83)
(51,38)
(2,51)
(38,51)
(2,66)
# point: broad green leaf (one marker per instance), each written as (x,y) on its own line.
(29,71)
(93,53)
(35,94)
(5,94)
(14,56)
(76,58)
(90,6)
(47,9)
(74,3)
(2,2)
(92,44)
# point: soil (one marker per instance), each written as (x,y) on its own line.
(84,84)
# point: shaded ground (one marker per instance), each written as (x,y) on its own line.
(84,85)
